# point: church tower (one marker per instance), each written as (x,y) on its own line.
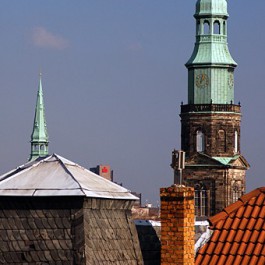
(210,122)
(39,136)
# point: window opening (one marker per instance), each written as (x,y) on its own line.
(201,200)
(236,141)
(36,147)
(206,28)
(221,141)
(200,141)
(236,192)
(216,27)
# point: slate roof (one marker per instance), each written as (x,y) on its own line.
(57,176)
(238,233)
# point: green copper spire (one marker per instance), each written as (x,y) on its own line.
(211,67)
(39,136)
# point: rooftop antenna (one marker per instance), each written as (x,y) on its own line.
(178,164)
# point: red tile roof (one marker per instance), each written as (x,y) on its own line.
(238,233)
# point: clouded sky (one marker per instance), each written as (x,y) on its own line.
(113,80)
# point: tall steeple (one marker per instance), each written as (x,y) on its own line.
(211,121)
(39,136)
(211,67)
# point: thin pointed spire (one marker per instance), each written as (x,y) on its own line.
(39,136)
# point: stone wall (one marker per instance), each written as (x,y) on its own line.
(110,234)
(177,225)
(39,230)
(67,231)
(219,183)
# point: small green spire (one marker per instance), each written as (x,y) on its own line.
(39,136)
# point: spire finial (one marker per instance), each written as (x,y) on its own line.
(39,136)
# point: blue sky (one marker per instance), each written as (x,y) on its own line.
(113,80)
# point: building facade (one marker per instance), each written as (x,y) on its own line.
(210,122)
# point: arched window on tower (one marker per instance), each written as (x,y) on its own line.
(221,141)
(201,200)
(236,142)
(200,141)
(216,27)
(236,191)
(36,147)
(206,28)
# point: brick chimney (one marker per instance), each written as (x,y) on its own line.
(177,225)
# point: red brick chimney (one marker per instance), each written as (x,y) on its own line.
(177,225)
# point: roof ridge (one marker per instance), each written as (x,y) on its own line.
(218,217)
(245,198)
(68,171)
(235,206)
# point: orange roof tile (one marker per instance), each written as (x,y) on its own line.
(260,199)
(255,212)
(238,259)
(258,249)
(230,260)
(259,224)
(223,235)
(242,248)
(246,236)
(226,248)
(215,236)
(246,260)
(228,223)
(254,260)
(261,260)
(251,223)
(238,233)
(231,235)
(214,259)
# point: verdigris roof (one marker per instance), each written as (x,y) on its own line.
(57,176)
(216,7)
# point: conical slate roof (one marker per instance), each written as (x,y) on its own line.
(57,176)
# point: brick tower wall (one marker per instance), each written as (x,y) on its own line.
(177,225)
(218,127)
